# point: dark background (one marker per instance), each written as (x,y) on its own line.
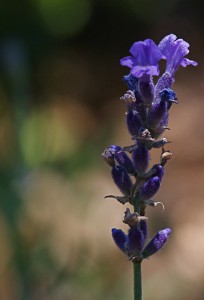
(60,84)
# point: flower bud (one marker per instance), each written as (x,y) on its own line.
(135,241)
(140,158)
(131,82)
(125,162)
(169,96)
(134,122)
(156,243)
(158,170)
(119,238)
(150,188)
(122,180)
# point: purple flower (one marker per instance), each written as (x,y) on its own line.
(174,51)
(144,59)
(133,243)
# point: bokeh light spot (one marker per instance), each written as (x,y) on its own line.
(64,17)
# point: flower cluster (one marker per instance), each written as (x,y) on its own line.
(148,104)
(133,243)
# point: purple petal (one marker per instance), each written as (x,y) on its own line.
(146,53)
(156,243)
(127,61)
(139,71)
(174,51)
(186,62)
(144,60)
(119,238)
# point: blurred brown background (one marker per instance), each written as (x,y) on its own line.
(60,84)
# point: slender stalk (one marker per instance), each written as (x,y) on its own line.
(137,265)
(137,281)
(137,203)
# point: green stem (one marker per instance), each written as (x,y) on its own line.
(137,281)
(137,265)
(137,203)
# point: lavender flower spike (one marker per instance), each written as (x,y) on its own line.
(148,104)
(144,59)
(174,51)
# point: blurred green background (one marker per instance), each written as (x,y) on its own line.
(60,84)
